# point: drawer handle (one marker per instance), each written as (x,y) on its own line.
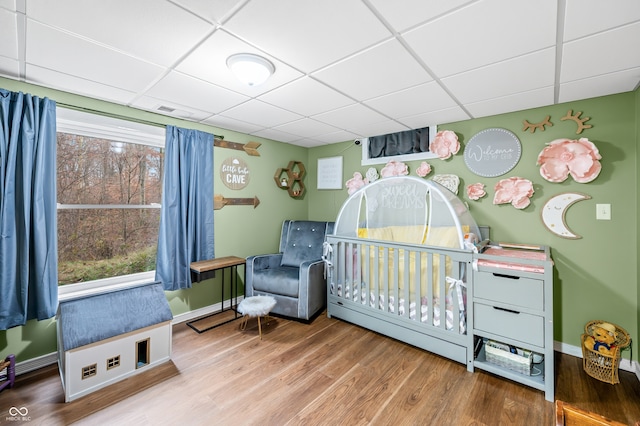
(506,310)
(513,277)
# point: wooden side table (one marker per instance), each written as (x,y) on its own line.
(205,269)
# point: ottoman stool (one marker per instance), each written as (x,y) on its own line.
(255,306)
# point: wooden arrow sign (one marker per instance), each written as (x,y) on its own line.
(250,148)
(219,202)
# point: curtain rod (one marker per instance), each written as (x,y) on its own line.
(119,116)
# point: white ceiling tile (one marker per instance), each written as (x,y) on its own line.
(602,85)
(484,33)
(300,32)
(383,128)
(306,127)
(585,17)
(606,52)
(186,90)
(416,100)
(165,107)
(413,12)
(87,60)
(306,97)
(340,64)
(309,143)
(276,135)
(261,114)
(517,102)
(447,115)
(355,118)
(9,68)
(73,84)
(211,10)
(8,34)
(209,63)
(378,71)
(339,136)
(521,74)
(8,4)
(232,124)
(166,33)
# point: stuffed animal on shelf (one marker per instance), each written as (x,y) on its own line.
(602,339)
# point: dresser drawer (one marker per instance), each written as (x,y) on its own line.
(514,325)
(508,288)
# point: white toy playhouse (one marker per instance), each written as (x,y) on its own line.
(108,337)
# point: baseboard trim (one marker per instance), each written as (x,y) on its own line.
(207,310)
(52,358)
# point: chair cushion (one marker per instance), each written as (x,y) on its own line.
(283,280)
(304,242)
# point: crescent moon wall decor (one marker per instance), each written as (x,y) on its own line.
(554,210)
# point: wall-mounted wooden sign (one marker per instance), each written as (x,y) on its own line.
(219,202)
(492,152)
(250,148)
(234,173)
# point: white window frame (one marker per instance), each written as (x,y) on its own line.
(367,161)
(120,130)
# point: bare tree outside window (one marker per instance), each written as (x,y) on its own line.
(109,194)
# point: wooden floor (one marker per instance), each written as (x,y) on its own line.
(328,372)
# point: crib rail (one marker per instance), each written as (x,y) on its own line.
(422,285)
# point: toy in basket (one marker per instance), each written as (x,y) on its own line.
(602,343)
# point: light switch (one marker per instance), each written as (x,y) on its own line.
(603,211)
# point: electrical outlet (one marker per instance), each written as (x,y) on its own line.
(603,211)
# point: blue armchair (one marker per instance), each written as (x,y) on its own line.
(295,276)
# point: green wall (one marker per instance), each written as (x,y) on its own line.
(637,206)
(239,230)
(596,277)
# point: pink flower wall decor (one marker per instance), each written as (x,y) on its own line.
(355,183)
(394,168)
(445,144)
(514,190)
(424,169)
(476,191)
(564,157)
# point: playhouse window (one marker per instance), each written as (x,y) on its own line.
(113,362)
(89,371)
(109,187)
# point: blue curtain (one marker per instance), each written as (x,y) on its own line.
(28,217)
(186,220)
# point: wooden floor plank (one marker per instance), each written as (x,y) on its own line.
(321,373)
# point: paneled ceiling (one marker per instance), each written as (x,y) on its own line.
(344,68)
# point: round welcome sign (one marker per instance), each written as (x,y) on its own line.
(234,173)
(492,152)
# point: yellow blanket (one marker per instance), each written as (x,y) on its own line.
(437,236)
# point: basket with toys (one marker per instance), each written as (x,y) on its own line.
(602,343)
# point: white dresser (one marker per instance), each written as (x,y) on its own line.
(512,306)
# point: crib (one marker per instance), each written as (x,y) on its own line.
(400,263)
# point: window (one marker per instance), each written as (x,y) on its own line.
(89,371)
(408,145)
(109,187)
(113,362)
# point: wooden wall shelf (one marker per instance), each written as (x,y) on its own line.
(290,178)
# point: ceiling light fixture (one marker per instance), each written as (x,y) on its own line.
(252,70)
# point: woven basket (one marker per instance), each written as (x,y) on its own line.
(601,366)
